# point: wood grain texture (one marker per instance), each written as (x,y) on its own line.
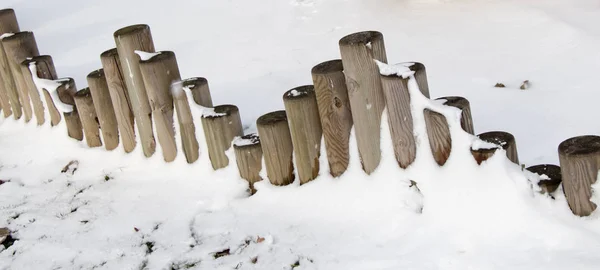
(45,70)
(483,154)
(66,91)
(249,159)
(34,93)
(8,24)
(104,108)
(129,39)
(420,77)
(158,73)
(579,162)
(87,115)
(397,99)
(189,143)
(276,143)
(305,129)
(17,48)
(8,84)
(334,112)
(502,139)
(200,91)
(553,174)
(119,96)
(365,92)
(219,130)
(461,103)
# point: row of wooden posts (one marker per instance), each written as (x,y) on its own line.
(348,93)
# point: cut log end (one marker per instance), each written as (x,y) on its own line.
(272,118)
(582,145)
(360,38)
(300,93)
(131,30)
(328,67)
(96,74)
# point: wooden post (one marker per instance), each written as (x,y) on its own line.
(420,76)
(104,108)
(504,140)
(66,91)
(221,126)
(44,67)
(159,72)
(88,117)
(186,124)
(8,24)
(119,96)
(305,129)
(482,154)
(437,128)
(17,48)
(579,161)
(334,111)
(552,179)
(359,52)
(129,39)
(248,155)
(200,91)
(276,144)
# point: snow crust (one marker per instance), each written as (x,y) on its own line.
(145,56)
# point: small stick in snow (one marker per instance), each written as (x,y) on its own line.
(525,85)
(71,167)
(499,85)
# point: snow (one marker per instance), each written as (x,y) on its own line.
(145,56)
(5,35)
(296,93)
(52,87)
(401,70)
(250,139)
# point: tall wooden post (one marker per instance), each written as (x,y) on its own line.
(66,91)
(113,71)
(248,155)
(104,108)
(221,126)
(186,123)
(17,48)
(88,117)
(129,39)
(504,140)
(8,24)
(420,76)
(200,91)
(359,52)
(552,177)
(305,129)
(44,67)
(276,144)
(334,111)
(158,73)
(579,161)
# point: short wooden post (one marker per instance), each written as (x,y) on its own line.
(359,52)
(119,96)
(17,48)
(187,128)
(579,161)
(159,72)
(129,39)
(200,91)
(334,111)
(248,155)
(305,129)
(88,117)
(44,67)
(438,131)
(276,144)
(482,154)
(552,177)
(104,108)
(420,76)
(66,91)
(221,125)
(8,24)
(504,140)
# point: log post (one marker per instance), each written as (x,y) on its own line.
(66,91)
(44,67)
(187,128)
(359,50)
(8,24)
(248,155)
(438,131)
(119,96)
(159,72)
(104,108)
(551,176)
(334,111)
(88,117)
(129,39)
(200,91)
(579,161)
(17,48)
(221,125)
(504,140)
(305,129)
(420,76)
(276,144)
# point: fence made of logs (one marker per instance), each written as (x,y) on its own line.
(138,87)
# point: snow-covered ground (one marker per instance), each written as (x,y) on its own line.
(119,211)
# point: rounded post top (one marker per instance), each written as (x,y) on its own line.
(272,118)
(19,36)
(500,138)
(131,30)
(6,11)
(34,59)
(327,67)
(82,93)
(195,82)
(360,38)
(98,73)
(158,57)
(220,111)
(415,66)
(299,92)
(248,140)
(455,101)
(580,146)
(109,53)
(552,171)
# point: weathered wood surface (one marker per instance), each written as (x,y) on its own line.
(187,129)
(305,129)
(200,91)
(129,39)
(397,98)
(8,24)
(248,155)
(276,143)
(158,73)
(553,176)
(420,77)
(334,112)
(104,108)
(482,154)
(579,162)
(66,91)
(87,115)
(365,92)
(502,139)
(220,128)
(34,93)
(44,67)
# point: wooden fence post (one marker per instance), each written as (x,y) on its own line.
(113,71)
(420,77)
(553,177)
(248,155)
(104,108)
(334,111)
(437,128)
(44,67)
(66,91)
(159,72)
(221,126)
(17,48)
(129,39)
(200,91)
(579,161)
(88,117)
(359,52)
(305,129)
(189,143)
(8,24)
(276,144)
(504,140)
